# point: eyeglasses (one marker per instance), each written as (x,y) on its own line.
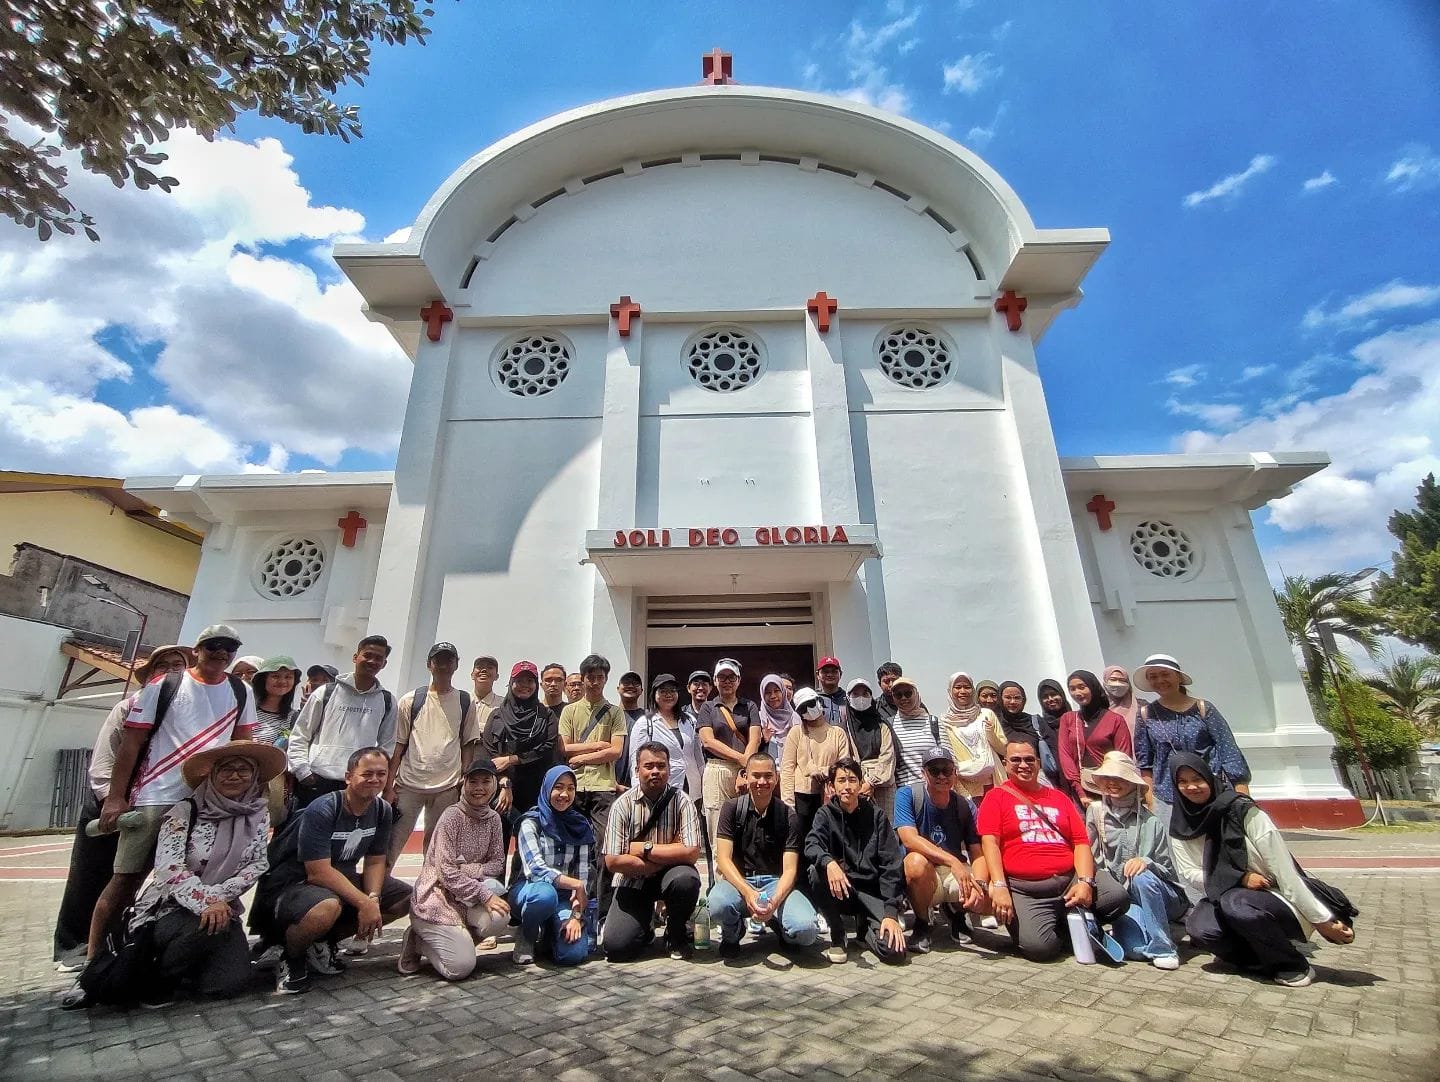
(237,770)
(1022,760)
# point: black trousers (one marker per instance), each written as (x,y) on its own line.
(627,923)
(1250,928)
(864,903)
(215,965)
(1039,928)
(92,860)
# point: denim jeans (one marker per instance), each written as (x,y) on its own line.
(796,916)
(539,906)
(1144,929)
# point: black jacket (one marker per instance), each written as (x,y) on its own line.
(865,844)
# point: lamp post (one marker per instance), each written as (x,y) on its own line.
(120,602)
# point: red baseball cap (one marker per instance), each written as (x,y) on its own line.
(828,663)
(524,667)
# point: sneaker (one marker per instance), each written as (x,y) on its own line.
(75,998)
(409,962)
(524,952)
(292,977)
(989,923)
(489,943)
(324,959)
(754,927)
(1296,979)
(837,955)
(959,928)
(72,964)
(681,950)
(356,947)
(920,939)
(269,958)
(1166,961)
(728,950)
(822,926)
(157,999)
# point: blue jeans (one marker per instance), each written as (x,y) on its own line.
(1144,929)
(796,916)
(539,905)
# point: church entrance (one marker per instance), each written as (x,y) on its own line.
(765,633)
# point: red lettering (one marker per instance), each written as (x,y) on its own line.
(665,538)
(792,535)
(637,539)
(824,535)
(697,538)
(762,535)
(712,535)
(839,538)
(730,537)
(619,539)
(812,535)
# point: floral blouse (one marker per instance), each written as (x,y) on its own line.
(464,851)
(176,880)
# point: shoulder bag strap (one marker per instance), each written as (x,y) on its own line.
(729,718)
(657,811)
(163,698)
(596,717)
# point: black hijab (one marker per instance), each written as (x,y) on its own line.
(1220,821)
(1050,685)
(526,720)
(1099,701)
(865,728)
(1019,725)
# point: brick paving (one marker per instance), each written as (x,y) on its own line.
(974,1012)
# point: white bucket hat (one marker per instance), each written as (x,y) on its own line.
(1158,661)
(1117,764)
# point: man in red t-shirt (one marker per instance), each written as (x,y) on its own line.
(1038,852)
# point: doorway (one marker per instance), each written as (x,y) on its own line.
(756,662)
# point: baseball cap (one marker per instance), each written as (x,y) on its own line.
(442,648)
(662,679)
(219,631)
(805,697)
(633,677)
(324,670)
(524,667)
(828,663)
(480,765)
(699,674)
(727,664)
(937,754)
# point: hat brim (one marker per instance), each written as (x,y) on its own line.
(1138,680)
(144,672)
(1138,779)
(269,761)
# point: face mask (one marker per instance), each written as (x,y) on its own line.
(812,711)
(861,702)
(1117,690)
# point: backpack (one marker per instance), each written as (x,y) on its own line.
(168,689)
(418,701)
(325,708)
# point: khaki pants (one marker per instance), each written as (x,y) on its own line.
(409,803)
(720,775)
(450,948)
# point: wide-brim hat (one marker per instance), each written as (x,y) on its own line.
(146,670)
(278,663)
(269,761)
(1117,764)
(1158,661)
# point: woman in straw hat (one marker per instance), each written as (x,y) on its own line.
(1133,845)
(211,850)
(1177,721)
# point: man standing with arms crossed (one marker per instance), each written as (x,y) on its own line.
(592,738)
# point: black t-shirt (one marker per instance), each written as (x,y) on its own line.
(763,840)
(744,713)
(329,830)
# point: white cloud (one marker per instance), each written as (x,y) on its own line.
(399,236)
(1383,435)
(1361,309)
(1254,371)
(1324,180)
(867,76)
(1214,414)
(1184,376)
(1231,185)
(970,73)
(981,134)
(1416,168)
(259,357)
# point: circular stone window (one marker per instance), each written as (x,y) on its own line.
(290,567)
(914,357)
(532,364)
(1163,550)
(723,359)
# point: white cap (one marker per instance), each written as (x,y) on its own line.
(726,664)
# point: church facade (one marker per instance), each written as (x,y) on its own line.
(737,371)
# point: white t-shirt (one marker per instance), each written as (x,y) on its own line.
(434,741)
(201,716)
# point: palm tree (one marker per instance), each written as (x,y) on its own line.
(1339,601)
(1409,687)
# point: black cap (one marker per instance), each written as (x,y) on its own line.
(664,678)
(632,676)
(329,670)
(481,765)
(442,648)
(700,674)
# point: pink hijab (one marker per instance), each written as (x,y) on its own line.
(1128,707)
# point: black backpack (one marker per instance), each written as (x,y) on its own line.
(168,688)
(418,701)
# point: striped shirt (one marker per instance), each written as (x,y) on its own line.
(200,716)
(678,822)
(913,738)
(546,860)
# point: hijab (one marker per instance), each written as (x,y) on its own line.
(783,719)
(959,715)
(1099,701)
(238,821)
(1019,722)
(570,827)
(1050,685)
(1127,707)
(1220,821)
(866,729)
(526,720)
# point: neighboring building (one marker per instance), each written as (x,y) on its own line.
(746,371)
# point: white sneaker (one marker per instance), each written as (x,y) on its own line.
(324,959)
(822,926)
(1296,980)
(1166,961)
(357,947)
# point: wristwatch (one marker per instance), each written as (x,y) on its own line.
(1087,880)
(504,783)
(649,847)
(999,884)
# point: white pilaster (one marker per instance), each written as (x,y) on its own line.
(613,611)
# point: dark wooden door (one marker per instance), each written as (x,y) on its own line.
(756,662)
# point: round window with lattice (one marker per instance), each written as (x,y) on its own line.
(290,567)
(1163,550)
(914,357)
(532,364)
(723,359)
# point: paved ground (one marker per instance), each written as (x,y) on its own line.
(975,1012)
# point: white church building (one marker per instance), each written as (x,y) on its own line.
(734,370)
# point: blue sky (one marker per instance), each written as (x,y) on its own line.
(1270,174)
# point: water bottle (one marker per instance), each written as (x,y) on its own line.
(702,924)
(126,821)
(1080,937)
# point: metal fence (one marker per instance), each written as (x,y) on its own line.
(72,786)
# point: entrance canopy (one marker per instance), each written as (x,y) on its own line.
(751,559)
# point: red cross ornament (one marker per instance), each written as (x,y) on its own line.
(1012,306)
(350,527)
(1100,507)
(623,311)
(435,315)
(822,307)
(716,68)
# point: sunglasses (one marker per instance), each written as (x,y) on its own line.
(941,771)
(220,646)
(903,693)
(1022,760)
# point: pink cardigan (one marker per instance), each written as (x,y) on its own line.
(1110,734)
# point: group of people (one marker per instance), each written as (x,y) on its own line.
(581,824)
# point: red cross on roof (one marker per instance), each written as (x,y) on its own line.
(716,68)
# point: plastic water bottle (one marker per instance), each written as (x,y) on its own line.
(125,821)
(702,924)
(1080,937)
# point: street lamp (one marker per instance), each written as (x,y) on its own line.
(119,601)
